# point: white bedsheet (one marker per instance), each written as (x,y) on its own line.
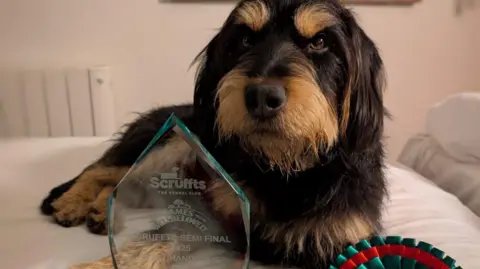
(423,154)
(30,168)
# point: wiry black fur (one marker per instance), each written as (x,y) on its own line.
(347,180)
(130,144)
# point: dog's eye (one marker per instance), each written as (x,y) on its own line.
(317,44)
(246,42)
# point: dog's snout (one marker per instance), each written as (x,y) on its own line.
(264,100)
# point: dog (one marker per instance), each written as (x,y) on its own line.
(289,99)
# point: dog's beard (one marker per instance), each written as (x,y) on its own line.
(292,140)
(281,153)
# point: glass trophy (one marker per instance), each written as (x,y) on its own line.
(164,213)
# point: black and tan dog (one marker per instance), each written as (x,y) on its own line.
(289,100)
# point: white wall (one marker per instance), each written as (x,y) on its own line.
(429,53)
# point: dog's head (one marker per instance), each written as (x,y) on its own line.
(292,80)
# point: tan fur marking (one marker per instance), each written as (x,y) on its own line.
(100,204)
(98,210)
(135,254)
(329,234)
(226,202)
(345,111)
(316,116)
(162,159)
(308,120)
(73,205)
(103,263)
(232,114)
(254,14)
(312,18)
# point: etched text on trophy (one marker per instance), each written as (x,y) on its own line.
(174,183)
(180,211)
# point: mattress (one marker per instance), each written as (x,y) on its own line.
(427,157)
(29,168)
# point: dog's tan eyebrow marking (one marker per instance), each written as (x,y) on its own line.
(254,14)
(311,19)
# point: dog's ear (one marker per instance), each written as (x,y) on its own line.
(214,61)
(207,72)
(210,69)
(362,111)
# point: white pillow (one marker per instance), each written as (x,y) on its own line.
(423,154)
(455,124)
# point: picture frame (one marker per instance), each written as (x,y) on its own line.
(348,2)
(381,2)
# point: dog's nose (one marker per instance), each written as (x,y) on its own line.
(264,100)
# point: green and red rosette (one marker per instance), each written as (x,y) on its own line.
(393,252)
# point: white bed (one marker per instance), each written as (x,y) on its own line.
(29,168)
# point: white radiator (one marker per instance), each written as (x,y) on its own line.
(56,103)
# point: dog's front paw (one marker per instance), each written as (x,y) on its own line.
(97,221)
(97,215)
(72,202)
(46,207)
(70,210)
